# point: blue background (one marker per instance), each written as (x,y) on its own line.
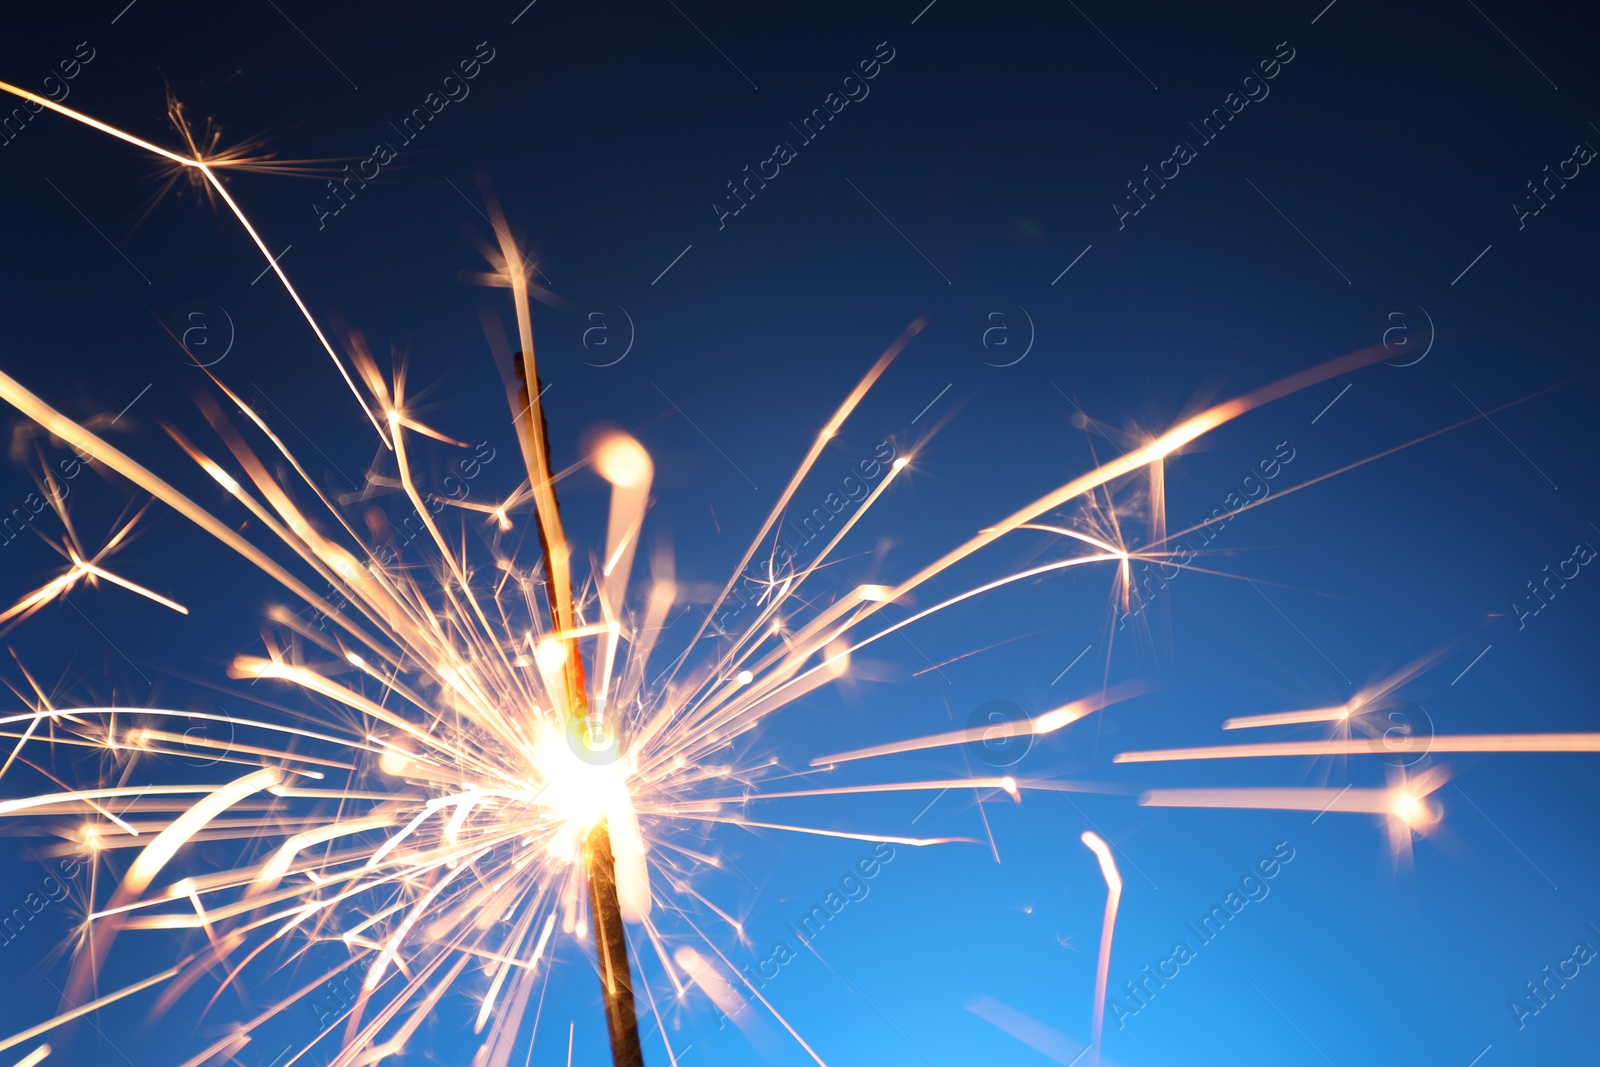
(997,141)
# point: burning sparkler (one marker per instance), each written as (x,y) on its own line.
(495,761)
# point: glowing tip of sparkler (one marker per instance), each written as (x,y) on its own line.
(1009,784)
(1051,721)
(900,464)
(394,418)
(744,678)
(1344,713)
(355,660)
(551,654)
(1410,809)
(181,888)
(622,461)
(878,594)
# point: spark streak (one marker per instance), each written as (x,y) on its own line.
(1571,742)
(206,167)
(1287,718)
(1045,723)
(1359,801)
(1102,973)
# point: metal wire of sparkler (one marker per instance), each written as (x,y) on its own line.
(587,725)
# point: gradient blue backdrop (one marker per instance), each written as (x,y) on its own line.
(988,157)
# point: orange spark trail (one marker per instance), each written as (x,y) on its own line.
(1374,746)
(1108,869)
(85,1009)
(1158,449)
(1287,718)
(1045,723)
(205,168)
(1007,783)
(1359,801)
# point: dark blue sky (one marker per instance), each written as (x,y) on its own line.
(1365,176)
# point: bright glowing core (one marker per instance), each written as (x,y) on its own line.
(1410,809)
(576,791)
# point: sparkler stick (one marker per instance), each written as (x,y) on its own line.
(610,939)
(611,943)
